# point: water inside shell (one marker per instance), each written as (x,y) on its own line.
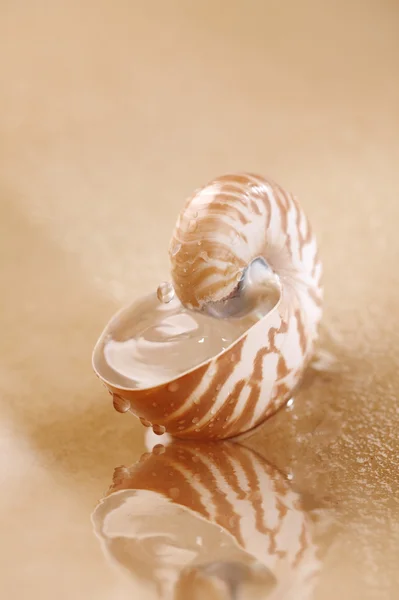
(157,339)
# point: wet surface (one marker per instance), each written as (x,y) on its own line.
(104,133)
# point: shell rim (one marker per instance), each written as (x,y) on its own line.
(184,373)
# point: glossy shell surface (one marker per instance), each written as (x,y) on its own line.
(237,218)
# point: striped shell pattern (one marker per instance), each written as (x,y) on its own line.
(185,510)
(220,231)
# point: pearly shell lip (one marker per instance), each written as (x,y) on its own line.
(167,382)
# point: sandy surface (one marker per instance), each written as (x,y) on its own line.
(111,113)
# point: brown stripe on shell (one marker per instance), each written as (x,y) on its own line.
(159,403)
(202,274)
(219,421)
(280,396)
(282,508)
(301,331)
(240,178)
(282,369)
(282,208)
(226,467)
(264,194)
(248,410)
(225,365)
(167,477)
(219,207)
(212,289)
(303,544)
(255,495)
(183,274)
(244,420)
(222,460)
(226,516)
(256,500)
(236,193)
(211,223)
(255,207)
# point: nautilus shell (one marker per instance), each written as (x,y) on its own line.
(231,224)
(195,517)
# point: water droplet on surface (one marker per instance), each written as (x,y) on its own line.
(165,292)
(173,387)
(145,422)
(195,420)
(158,429)
(196,400)
(174,493)
(120,404)
(158,449)
(213,410)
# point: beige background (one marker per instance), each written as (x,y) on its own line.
(110,114)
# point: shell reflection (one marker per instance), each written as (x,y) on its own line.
(208,521)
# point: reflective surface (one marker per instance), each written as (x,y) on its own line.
(109,118)
(199,519)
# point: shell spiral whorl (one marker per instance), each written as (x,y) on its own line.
(233,220)
(230,222)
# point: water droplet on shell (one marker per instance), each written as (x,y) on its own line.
(120,404)
(158,429)
(174,493)
(165,292)
(173,387)
(145,422)
(158,449)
